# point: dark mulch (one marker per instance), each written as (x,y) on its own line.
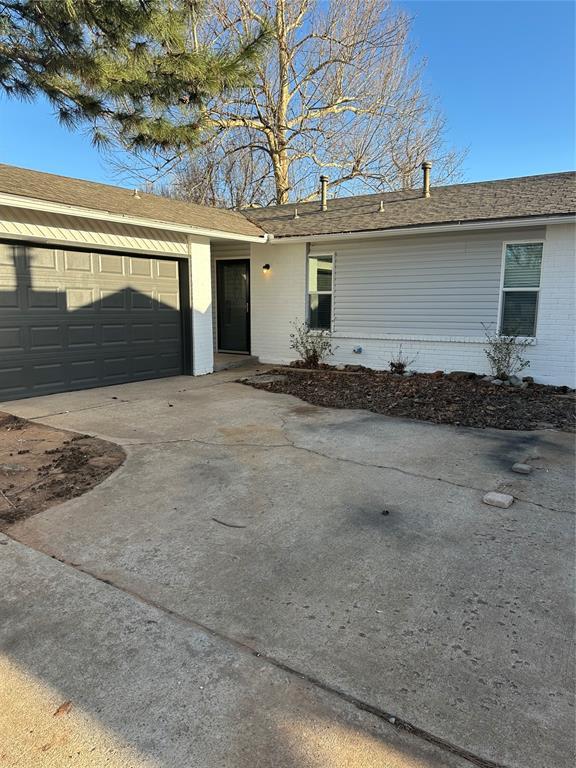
(428,397)
(41,466)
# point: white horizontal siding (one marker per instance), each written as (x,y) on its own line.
(424,286)
(69,230)
(414,292)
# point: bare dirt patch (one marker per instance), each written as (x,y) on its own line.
(41,466)
(438,398)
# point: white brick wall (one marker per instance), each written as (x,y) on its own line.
(278,298)
(200,265)
(553,359)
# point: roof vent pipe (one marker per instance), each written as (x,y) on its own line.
(426,166)
(324,192)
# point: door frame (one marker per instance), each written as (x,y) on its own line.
(246,262)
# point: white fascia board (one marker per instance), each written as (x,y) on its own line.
(535,221)
(34,204)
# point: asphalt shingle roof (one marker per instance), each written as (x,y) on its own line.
(506,199)
(118,200)
(527,196)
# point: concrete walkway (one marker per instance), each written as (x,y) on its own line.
(248,523)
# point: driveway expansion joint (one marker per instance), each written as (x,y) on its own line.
(391,719)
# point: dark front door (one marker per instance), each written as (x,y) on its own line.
(233,301)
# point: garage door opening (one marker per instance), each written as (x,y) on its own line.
(73,319)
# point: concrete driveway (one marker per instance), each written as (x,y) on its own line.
(235,596)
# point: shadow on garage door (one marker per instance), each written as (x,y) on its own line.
(74,319)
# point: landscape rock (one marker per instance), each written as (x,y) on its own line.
(461,375)
(497,382)
(495,499)
(341,367)
(10,469)
(515,381)
(264,378)
(521,469)
(528,379)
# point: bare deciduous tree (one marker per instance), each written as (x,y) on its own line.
(338,91)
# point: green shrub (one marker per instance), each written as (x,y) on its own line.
(312,346)
(505,353)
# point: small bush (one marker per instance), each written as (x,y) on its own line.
(400,363)
(312,346)
(505,353)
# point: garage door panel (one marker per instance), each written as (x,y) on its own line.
(12,339)
(109,265)
(84,372)
(81,336)
(168,302)
(48,298)
(46,337)
(141,267)
(12,379)
(110,300)
(72,320)
(142,332)
(41,258)
(116,333)
(9,298)
(48,374)
(167,269)
(142,300)
(80,299)
(168,331)
(75,261)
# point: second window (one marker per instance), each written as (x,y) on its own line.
(320,269)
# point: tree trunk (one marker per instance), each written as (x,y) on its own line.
(280,158)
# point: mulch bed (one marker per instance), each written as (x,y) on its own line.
(41,466)
(468,402)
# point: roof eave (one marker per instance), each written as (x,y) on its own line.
(45,206)
(420,229)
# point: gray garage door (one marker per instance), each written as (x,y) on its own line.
(72,320)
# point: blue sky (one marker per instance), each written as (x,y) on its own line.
(503,73)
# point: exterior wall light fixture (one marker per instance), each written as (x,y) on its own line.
(265,268)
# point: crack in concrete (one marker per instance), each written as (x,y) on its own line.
(329,457)
(392,720)
(420,475)
(76,410)
(291,444)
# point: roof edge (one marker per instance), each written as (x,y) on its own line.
(47,206)
(418,229)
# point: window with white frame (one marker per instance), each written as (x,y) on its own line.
(520,288)
(320,271)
